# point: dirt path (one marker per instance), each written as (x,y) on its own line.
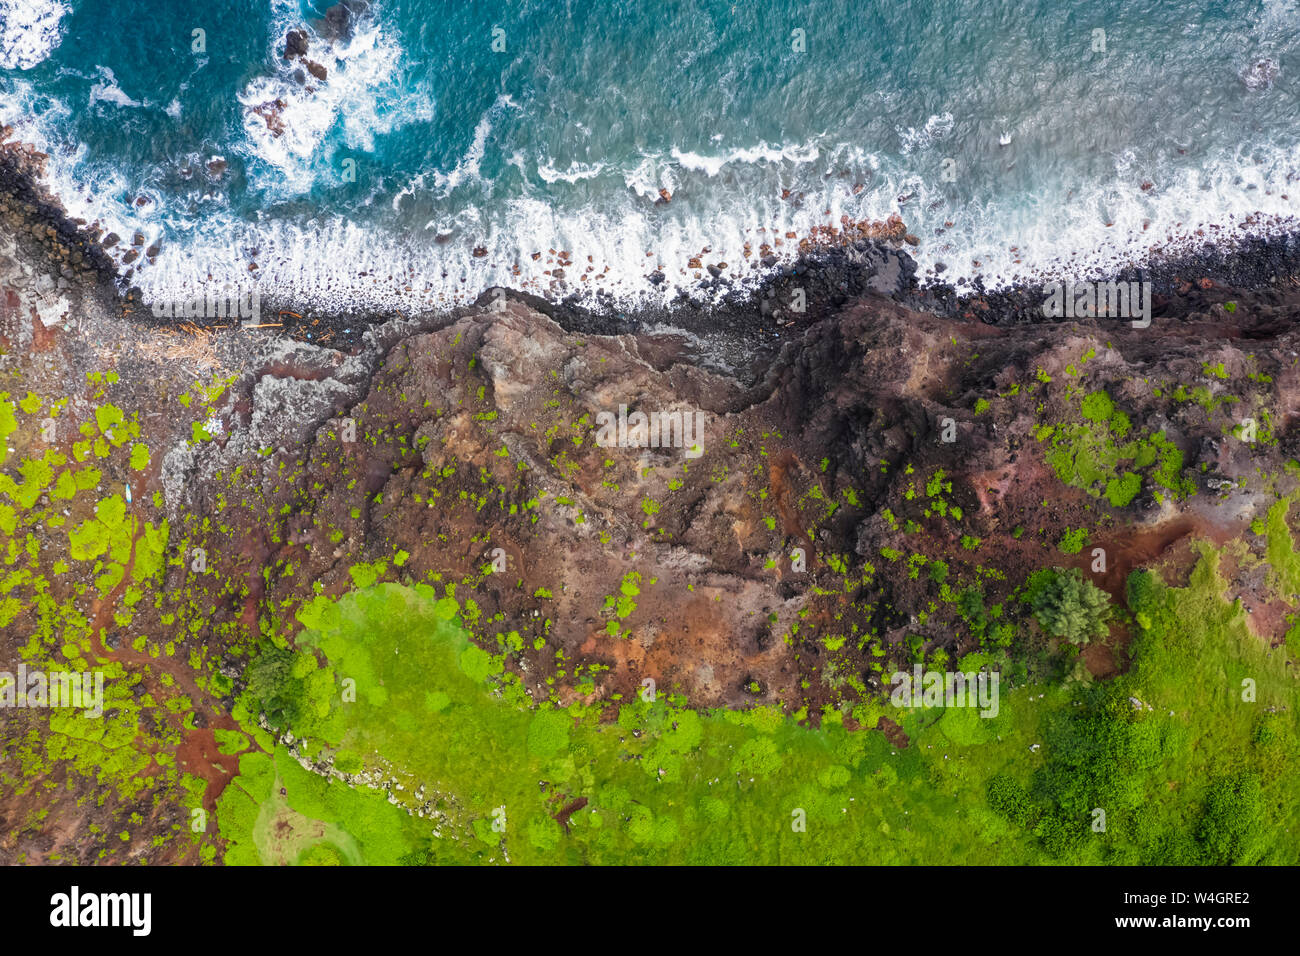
(1135,548)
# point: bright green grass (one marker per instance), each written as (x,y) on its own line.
(1280,550)
(1197,665)
(665,783)
(267,827)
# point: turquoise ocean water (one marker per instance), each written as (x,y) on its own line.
(1055,137)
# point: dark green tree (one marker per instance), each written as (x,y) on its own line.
(266,678)
(1068,606)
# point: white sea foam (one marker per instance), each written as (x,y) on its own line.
(576,172)
(30,30)
(1050,239)
(712,165)
(936,128)
(361,96)
(1237,192)
(468,168)
(648,176)
(107,90)
(334,261)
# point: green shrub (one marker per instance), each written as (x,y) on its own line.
(1098,407)
(1008,799)
(938,571)
(1231,827)
(1073,540)
(1120,491)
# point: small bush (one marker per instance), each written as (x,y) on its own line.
(1098,407)
(1073,540)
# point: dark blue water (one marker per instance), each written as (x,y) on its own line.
(1017,122)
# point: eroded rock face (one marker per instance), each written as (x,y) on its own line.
(821,497)
(485,439)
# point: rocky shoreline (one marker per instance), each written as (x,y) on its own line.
(752,356)
(744,322)
(71,251)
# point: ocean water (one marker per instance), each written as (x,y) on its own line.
(1014,138)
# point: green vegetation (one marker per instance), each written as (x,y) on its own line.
(1281,551)
(428,738)
(1191,773)
(1073,540)
(1123,489)
(1098,455)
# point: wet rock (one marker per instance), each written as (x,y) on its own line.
(339,19)
(316,70)
(271,113)
(295,44)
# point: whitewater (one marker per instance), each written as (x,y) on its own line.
(413,177)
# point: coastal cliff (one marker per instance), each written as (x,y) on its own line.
(872,479)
